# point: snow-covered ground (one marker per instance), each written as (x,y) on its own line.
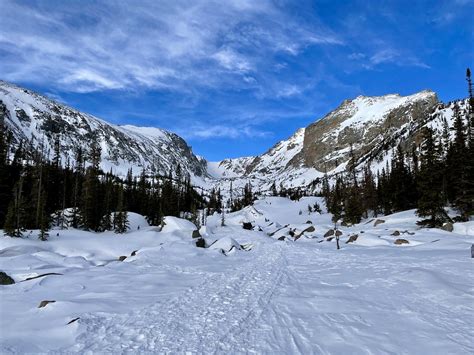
(248,292)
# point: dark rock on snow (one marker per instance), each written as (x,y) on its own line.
(352,238)
(5,279)
(247,226)
(45,303)
(378,221)
(401,241)
(201,243)
(329,233)
(448,227)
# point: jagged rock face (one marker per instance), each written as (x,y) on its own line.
(362,123)
(374,126)
(38,120)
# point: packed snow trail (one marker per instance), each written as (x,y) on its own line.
(201,320)
(281,297)
(301,299)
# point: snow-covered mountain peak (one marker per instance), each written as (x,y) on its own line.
(365,123)
(375,108)
(38,120)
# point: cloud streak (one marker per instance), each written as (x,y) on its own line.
(89,46)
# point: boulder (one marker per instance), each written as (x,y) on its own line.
(45,303)
(378,221)
(309,229)
(247,226)
(309,222)
(134,253)
(396,233)
(448,227)
(225,245)
(281,238)
(200,243)
(246,247)
(329,233)
(122,258)
(329,239)
(196,234)
(5,279)
(401,241)
(352,238)
(338,233)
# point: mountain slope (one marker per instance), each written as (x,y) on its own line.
(372,127)
(38,120)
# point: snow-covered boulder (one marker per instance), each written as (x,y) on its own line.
(136,221)
(173,224)
(225,245)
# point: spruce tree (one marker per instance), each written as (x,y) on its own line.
(336,205)
(15,218)
(369,192)
(430,202)
(91,211)
(44,219)
(120,222)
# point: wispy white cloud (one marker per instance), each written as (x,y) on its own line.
(390,55)
(179,45)
(222,131)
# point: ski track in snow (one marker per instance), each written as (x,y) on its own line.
(208,318)
(289,299)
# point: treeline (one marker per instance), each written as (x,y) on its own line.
(438,173)
(36,193)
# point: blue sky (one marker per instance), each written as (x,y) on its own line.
(233,77)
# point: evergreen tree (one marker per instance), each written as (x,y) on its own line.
(336,205)
(120,222)
(274,190)
(44,219)
(90,209)
(430,202)
(15,218)
(369,192)
(401,184)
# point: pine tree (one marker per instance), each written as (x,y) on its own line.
(369,192)
(15,218)
(401,184)
(274,189)
(326,190)
(465,201)
(120,222)
(44,219)
(5,172)
(90,209)
(336,205)
(430,202)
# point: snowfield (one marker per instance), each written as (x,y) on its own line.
(247,292)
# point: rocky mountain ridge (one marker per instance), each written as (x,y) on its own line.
(368,129)
(39,121)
